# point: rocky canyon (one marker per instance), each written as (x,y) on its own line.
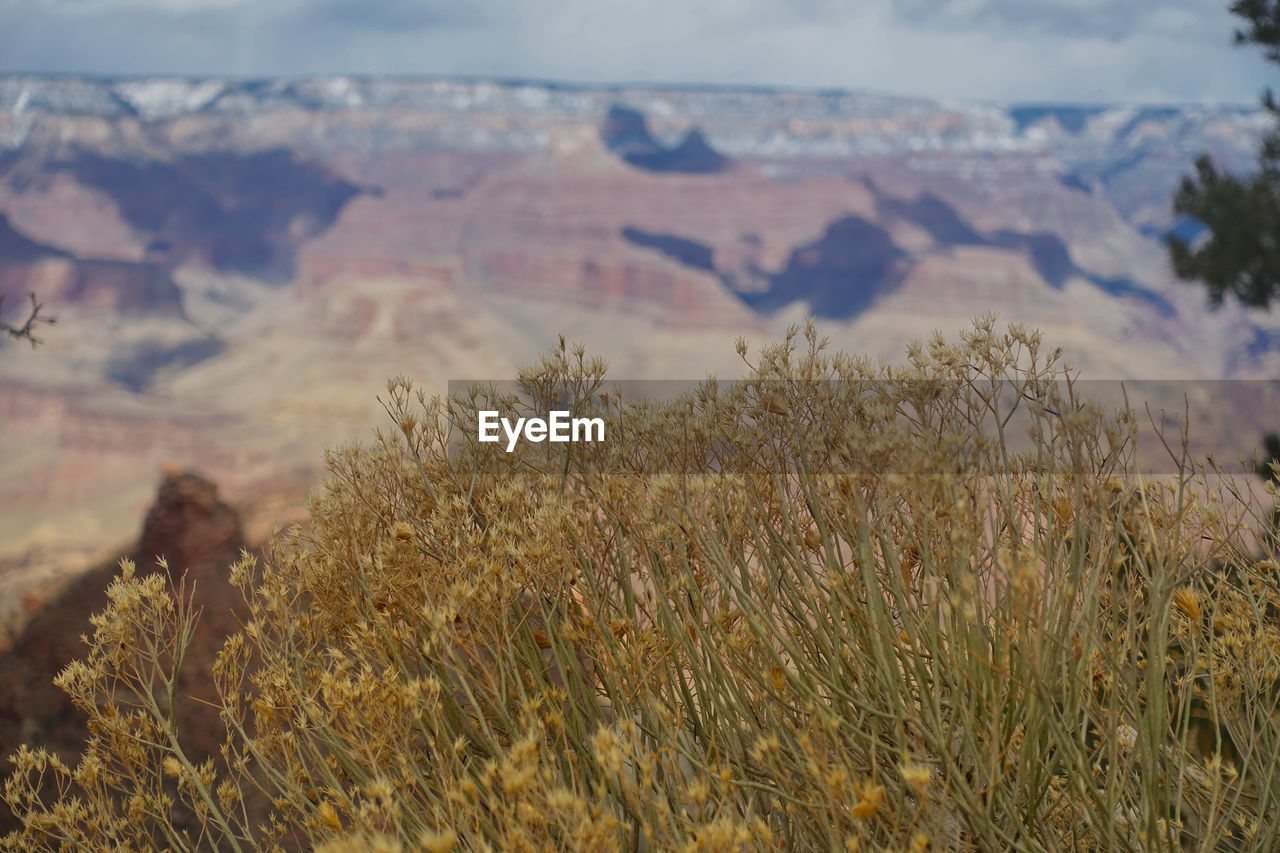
(237,267)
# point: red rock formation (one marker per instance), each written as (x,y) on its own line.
(200,536)
(676,297)
(120,287)
(91,441)
(317,271)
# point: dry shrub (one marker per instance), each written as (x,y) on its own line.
(835,606)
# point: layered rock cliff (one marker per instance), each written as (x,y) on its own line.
(238,266)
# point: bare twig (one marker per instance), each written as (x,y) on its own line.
(27,330)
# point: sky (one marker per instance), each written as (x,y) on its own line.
(986,50)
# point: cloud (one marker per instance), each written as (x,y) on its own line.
(391,15)
(1175,50)
(1102,19)
(96,7)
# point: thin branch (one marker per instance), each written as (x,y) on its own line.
(27,330)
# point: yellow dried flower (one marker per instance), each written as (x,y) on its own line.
(763,746)
(329,815)
(438,842)
(1186,600)
(916,776)
(515,779)
(697,792)
(1062,510)
(870,796)
(608,750)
